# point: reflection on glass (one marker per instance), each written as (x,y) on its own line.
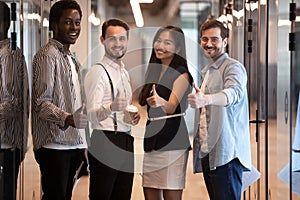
(13,107)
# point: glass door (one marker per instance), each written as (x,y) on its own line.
(14,100)
(266,37)
(288,87)
(272,68)
(34,34)
(27,32)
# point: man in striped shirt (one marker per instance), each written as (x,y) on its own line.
(58,122)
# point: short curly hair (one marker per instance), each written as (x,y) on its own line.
(59,7)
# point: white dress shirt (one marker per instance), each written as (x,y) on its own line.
(98,94)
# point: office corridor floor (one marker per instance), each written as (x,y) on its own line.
(195,187)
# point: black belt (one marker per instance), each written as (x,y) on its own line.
(7,150)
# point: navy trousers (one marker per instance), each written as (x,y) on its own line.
(225,182)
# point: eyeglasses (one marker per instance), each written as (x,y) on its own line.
(212,39)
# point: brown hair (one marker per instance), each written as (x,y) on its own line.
(213,23)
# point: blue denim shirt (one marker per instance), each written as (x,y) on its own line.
(228,126)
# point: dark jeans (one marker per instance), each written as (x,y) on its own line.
(10,161)
(58,168)
(225,182)
(111,162)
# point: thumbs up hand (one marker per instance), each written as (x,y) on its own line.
(80,119)
(155,100)
(119,104)
(198,99)
(77,119)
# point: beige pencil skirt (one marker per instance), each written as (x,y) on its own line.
(165,170)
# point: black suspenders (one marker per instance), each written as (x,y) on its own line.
(112,96)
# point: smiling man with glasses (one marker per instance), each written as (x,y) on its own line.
(222,143)
(213,41)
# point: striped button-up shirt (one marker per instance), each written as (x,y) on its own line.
(13,97)
(53,97)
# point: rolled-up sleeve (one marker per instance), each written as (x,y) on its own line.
(235,83)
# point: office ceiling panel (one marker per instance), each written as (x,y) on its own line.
(153,8)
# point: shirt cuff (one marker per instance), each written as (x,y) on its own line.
(227,97)
(63,125)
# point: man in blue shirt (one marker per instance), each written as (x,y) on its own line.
(222,143)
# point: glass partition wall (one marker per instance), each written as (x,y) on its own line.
(28,32)
(288,102)
(270,58)
(15,99)
(264,35)
(32,34)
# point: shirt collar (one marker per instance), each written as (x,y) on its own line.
(218,62)
(111,63)
(58,45)
(215,64)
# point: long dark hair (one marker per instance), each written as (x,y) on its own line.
(153,72)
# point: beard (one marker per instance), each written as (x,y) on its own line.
(212,52)
(209,48)
(116,54)
(209,51)
(121,56)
